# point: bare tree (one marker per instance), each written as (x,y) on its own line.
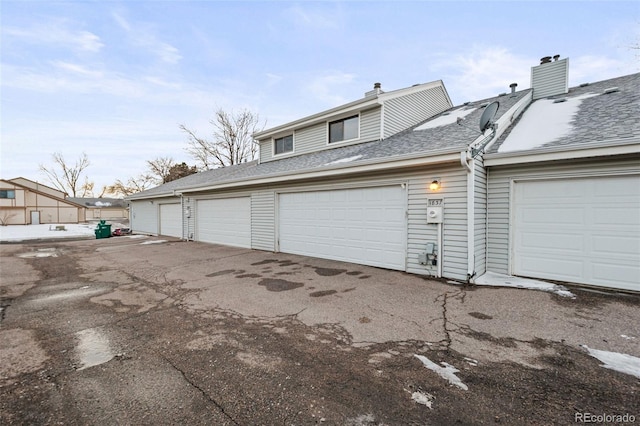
(5,216)
(160,168)
(132,186)
(67,177)
(232,140)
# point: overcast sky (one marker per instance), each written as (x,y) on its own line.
(115,79)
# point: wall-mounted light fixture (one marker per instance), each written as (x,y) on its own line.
(435,184)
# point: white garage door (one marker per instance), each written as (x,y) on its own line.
(144,217)
(224,221)
(579,230)
(171,220)
(364,225)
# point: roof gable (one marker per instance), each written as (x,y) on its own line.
(369,101)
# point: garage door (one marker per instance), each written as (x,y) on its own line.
(579,230)
(171,220)
(365,225)
(224,221)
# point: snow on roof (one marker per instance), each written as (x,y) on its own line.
(446,119)
(344,160)
(545,121)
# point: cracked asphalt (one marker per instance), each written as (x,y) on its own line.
(147,331)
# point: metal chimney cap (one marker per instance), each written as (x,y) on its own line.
(545,60)
(377,85)
(556,57)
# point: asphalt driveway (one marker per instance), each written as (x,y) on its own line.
(148,331)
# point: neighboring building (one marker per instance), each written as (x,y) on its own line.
(24,202)
(115,209)
(403,180)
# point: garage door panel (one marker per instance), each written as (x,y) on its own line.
(224,221)
(364,225)
(584,230)
(171,220)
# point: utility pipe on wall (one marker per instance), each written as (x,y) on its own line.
(467,162)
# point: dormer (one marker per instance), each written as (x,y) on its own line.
(376,116)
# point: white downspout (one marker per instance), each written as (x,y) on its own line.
(467,162)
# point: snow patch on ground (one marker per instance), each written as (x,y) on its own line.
(153,242)
(423,398)
(344,160)
(501,280)
(544,122)
(15,233)
(445,120)
(447,372)
(616,361)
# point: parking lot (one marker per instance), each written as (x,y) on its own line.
(146,330)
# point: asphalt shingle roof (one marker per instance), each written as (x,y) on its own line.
(604,117)
(599,118)
(447,138)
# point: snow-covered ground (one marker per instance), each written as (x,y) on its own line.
(447,372)
(501,280)
(14,233)
(616,361)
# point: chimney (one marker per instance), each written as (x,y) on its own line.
(377,89)
(513,87)
(550,78)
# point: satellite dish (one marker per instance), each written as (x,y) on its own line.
(486,120)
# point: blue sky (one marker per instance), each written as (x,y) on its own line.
(115,79)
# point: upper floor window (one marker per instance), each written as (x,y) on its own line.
(9,193)
(345,129)
(282,145)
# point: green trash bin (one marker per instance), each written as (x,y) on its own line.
(106,230)
(103,230)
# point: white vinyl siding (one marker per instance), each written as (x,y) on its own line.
(370,125)
(144,217)
(311,138)
(359,225)
(224,221)
(480,219)
(171,220)
(499,191)
(453,254)
(406,111)
(263,220)
(550,79)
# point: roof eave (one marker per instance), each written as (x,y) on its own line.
(594,149)
(390,163)
(358,105)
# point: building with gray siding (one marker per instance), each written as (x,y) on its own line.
(404,180)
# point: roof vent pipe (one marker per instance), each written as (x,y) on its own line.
(377,89)
(513,87)
(556,57)
(545,60)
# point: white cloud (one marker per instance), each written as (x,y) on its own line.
(484,72)
(57,33)
(143,35)
(314,18)
(327,88)
(76,68)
